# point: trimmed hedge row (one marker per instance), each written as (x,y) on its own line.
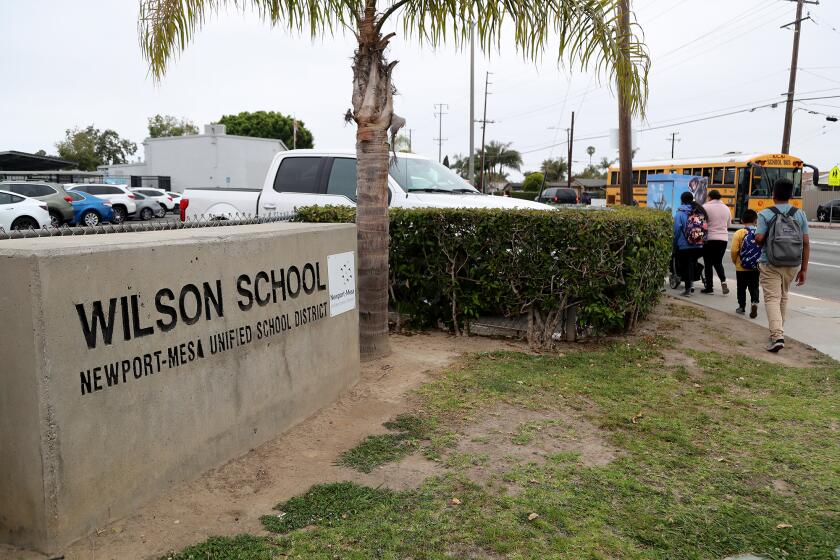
(454,265)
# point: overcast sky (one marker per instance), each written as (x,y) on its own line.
(67,64)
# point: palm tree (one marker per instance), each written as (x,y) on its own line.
(499,155)
(588,32)
(554,169)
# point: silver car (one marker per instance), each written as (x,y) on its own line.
(147,208)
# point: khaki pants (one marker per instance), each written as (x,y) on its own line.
(775,283)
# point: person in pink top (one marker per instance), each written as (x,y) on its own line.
(715,248)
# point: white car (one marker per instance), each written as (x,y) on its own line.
(176,198)
(299,178)
(123,201)
(160,196)
(21,212)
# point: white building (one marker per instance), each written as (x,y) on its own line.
(212,159)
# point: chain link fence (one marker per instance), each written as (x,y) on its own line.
(154,225)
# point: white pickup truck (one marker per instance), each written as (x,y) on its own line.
(300,178)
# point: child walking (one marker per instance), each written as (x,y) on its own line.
(745,254)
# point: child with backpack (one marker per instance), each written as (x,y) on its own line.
(782,232)
(745,254)
(691,227)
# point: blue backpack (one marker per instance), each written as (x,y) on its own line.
(750,251)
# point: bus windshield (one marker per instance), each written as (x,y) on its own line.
(765,177)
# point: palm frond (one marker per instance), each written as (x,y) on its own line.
(589,34)
(167,26)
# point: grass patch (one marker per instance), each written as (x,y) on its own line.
(746,461)
(327,504)
(241,547)
(386,448)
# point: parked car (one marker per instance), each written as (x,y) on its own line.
(123,201)
(299,178)
(830,211)
(160,196)
(176,198)
(21,212)
(148,208)
(559,195)
(89,210)
(57,199)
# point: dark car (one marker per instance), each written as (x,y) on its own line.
(57,199)
(829,211)
(559,195)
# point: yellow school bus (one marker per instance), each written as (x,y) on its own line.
(744,180)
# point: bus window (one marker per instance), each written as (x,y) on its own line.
(614,178)
(643,177)
(729,176)
(707,173)
(636,178)
(696,171)
(686,171)
(717,176)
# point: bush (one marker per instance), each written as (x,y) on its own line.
(533,182)
(454,265)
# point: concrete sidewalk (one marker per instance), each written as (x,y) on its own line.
(813,321)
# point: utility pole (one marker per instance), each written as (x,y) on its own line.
(471,172)
(625,143)
(800,4)
(440,139)
(571,137)
(673,140)
(484,123)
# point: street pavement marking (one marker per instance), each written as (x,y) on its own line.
(823,264)
(804,296)
(832,243)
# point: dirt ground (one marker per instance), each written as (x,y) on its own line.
(230,499)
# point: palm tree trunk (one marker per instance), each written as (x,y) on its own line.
(372,236)
(373,112)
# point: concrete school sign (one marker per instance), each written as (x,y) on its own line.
(130,362)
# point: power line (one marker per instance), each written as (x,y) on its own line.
(692,121)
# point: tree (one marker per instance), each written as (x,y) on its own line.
(90,147)
(533,182)
(591,172)
(586,31)
(591,151)
(167,125)
(269,124)
(446,161)
(498,156)
(402,143)
(554,169)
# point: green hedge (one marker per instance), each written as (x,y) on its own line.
(453,265)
